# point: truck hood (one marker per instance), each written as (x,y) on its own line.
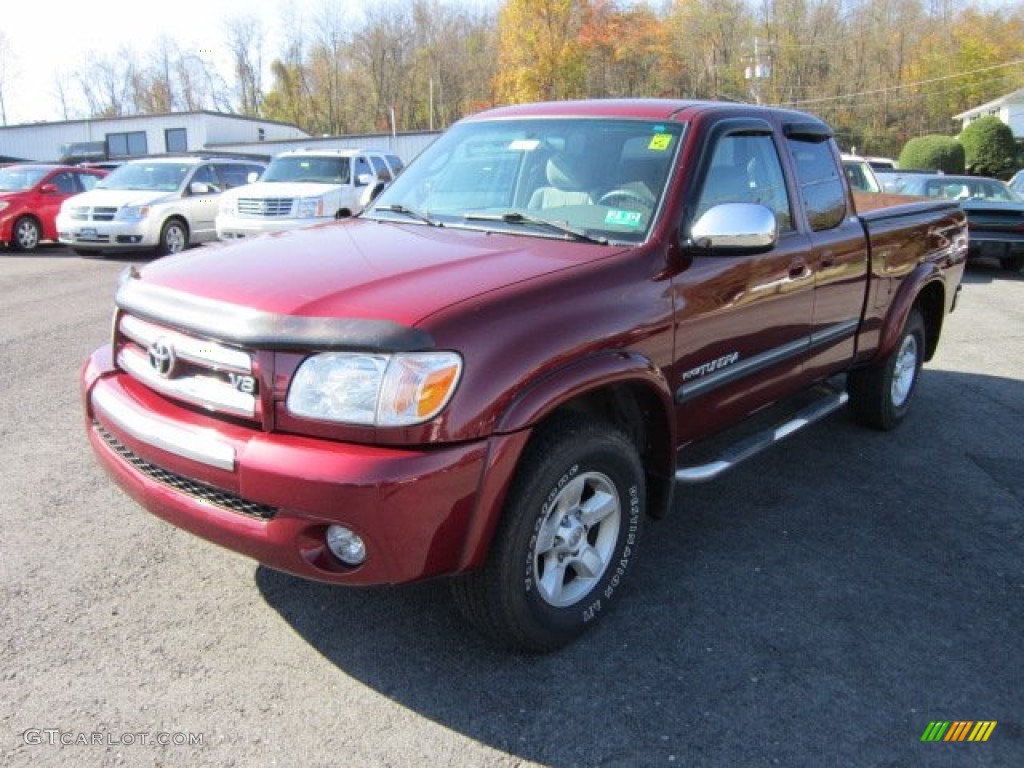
(361,269)
(117,198)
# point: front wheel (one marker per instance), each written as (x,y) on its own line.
(173,238)
(26,234)
(566,540)
(880,396)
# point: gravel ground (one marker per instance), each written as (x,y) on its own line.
(820,606)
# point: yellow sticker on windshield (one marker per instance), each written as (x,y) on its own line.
(660,142)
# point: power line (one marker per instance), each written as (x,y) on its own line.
(915,84)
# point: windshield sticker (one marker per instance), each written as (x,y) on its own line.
(524,145)
(660,142)
(622,218)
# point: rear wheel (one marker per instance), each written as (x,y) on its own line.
(26,234)
(880,396)
(566,540)
(1014,263)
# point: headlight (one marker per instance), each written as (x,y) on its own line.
(229,205)
(132,213)
(3,205)
(374,390)
(310,207)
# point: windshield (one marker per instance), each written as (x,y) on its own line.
(971,189)
(157,177)
(16,179)
(595,179)
(323,170)
(861,176)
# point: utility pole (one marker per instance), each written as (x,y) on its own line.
(759,69)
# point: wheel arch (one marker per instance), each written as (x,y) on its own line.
(624,389)
(180,219)
(924,289)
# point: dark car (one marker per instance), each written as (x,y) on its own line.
(1017,182)
(30,197)
(995,213)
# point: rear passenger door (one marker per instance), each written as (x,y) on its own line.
(742,320)
(838,256)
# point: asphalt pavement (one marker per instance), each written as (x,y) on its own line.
(822,605)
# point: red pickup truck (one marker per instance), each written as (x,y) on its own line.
(507,364)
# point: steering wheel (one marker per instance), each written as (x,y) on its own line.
(627,195)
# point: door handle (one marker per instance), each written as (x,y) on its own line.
(797,270)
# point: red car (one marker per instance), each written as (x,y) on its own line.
(30,198)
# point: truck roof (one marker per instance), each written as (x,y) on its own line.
(650,109)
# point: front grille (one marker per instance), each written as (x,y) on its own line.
(99,213)
(196,490)
(216,377)
(265,206)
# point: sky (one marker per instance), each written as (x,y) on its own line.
(45,39)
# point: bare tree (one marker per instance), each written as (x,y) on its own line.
(5,66)
(245,41)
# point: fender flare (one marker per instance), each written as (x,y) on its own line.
(899,308)
(556,388)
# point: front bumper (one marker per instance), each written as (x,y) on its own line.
(107,235)
(231,227)
(421,512)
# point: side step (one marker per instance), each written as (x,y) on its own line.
(831,400)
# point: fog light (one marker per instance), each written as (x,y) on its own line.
(345,545)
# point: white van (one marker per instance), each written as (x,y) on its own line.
(163,203)
(305,187)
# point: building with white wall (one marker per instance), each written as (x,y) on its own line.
(122,137)
(1008,108)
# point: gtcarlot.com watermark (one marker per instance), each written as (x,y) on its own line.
(55,737)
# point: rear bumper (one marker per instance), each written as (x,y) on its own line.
(421,512)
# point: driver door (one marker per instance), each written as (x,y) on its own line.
(742,321)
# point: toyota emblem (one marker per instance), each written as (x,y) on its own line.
(161,357)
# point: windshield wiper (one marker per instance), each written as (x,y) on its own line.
(515,217)
(418,215)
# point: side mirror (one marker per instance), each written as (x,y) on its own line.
(49,189)
(199,188)
(364,179)
(735,227)
(252,177)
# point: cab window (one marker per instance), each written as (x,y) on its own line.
(821,186)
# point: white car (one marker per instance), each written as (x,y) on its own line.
(163,203)
(305,187)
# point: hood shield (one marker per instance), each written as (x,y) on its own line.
(255,328)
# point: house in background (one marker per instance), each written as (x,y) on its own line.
(119,138)
(1008,108)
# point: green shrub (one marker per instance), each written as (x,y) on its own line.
(933,153)
(989,147)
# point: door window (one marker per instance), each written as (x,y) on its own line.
(745,168)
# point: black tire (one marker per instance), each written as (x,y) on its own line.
(26,234)
(1014,263)
(173,237)
(880,396)
(550,572)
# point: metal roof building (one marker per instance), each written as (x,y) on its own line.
(124,137)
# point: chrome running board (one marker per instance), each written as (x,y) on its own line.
(832,400)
